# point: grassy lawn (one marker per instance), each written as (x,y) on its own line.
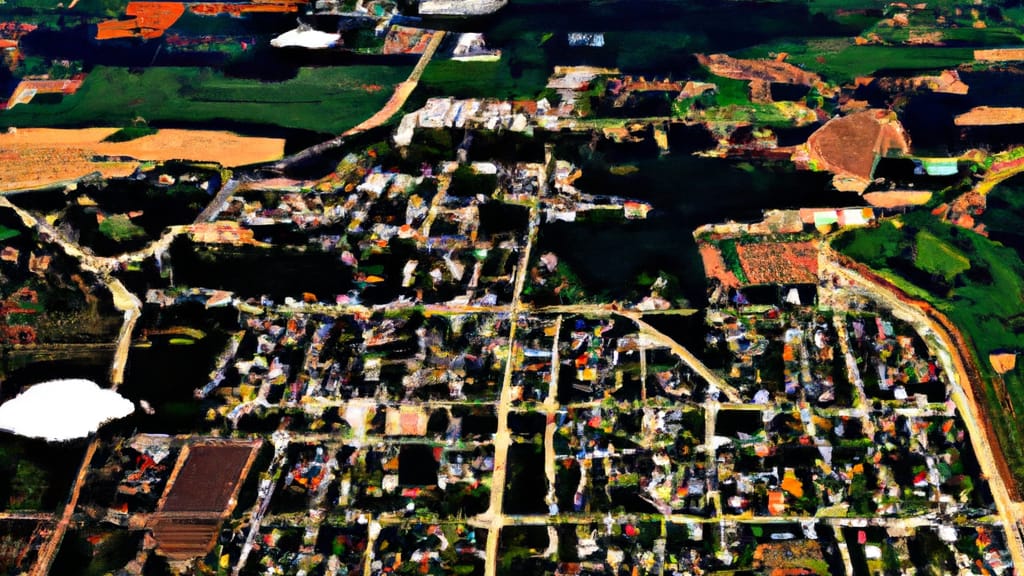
(321,99)
(829,7)
(731,91)
(978,283)
(937,257)
(852,60)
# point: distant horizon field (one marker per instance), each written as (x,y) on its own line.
(326,100)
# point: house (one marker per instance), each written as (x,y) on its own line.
(406,420)
(776,502)
(27,89)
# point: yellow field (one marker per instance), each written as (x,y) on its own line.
(37,157)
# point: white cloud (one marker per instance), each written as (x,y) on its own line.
(302,38)
(62,410)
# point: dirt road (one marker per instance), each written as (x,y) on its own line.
(502,439)
(393,105)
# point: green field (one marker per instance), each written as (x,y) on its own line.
(731,103)
(480,80)
(981,292)
(731,91)
(1005,209)
(107,8)
(937,257)
(119,228)
(328,100)
(995,36)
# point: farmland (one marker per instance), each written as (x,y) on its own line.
(41,157)
(480,80)
(329,100)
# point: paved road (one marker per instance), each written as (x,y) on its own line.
(688,357)
(502,439)
(48,551)
(219,202)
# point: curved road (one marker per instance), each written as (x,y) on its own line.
(955,363)
(398,98)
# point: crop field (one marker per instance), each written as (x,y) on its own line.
(329,100)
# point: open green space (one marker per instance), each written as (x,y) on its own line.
(730,91)
(731,103)
(976,282)
(938,257)
(119,227)
(8,233)
(481,80)
(327,100)
(827,6)
(993,36)
(854,60)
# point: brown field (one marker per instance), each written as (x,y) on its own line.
(999,54)
(37,157)
(850,145)
(765,70)
(1003,362)
(898,198)
(714,266)
(208,478)
(779,262)
(990,116)
(200,494)
(150,20)
(182,539)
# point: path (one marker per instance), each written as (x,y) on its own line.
(48,551)
(128,303)
(402,91)
(267,485)
(219,202)
(688,357)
